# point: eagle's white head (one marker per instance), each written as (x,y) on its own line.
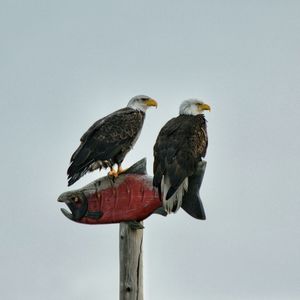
(193,107)
(141,102)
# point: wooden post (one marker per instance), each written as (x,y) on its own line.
(131,262)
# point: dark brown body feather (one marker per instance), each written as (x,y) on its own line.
(106,142)
(180,145)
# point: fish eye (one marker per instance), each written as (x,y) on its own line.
(75,199)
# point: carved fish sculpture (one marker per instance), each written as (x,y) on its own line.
(129,197)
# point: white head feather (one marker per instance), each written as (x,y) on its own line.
(193,107)
(141,102)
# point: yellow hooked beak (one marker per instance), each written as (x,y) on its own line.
(204,107)
(151,102)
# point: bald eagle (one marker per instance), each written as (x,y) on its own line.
(180,146)
(108,140)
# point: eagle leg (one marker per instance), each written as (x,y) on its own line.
(121,170)
(113,173)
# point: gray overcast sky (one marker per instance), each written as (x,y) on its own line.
(64,64)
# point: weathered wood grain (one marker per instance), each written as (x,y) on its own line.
(131,262)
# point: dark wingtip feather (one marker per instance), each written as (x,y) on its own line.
(170,193)
(74,173)
(155,182)
(159,192)
(72,180)
(157,178)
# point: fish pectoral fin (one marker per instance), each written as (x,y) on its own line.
(94,214)
(160,211)
(135,225)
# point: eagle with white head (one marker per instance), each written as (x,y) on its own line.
(180,146)
(108,140)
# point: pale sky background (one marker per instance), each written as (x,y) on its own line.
(65,64)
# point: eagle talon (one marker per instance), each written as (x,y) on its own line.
(121,170)
(112,173)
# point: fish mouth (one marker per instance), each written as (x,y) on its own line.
(67,214)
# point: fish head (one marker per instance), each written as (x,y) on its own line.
(77,204)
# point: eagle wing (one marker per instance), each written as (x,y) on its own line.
(107,139)
(179,147)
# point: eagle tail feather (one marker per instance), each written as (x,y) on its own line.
(174,202)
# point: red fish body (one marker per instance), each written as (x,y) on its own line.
(132,199)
